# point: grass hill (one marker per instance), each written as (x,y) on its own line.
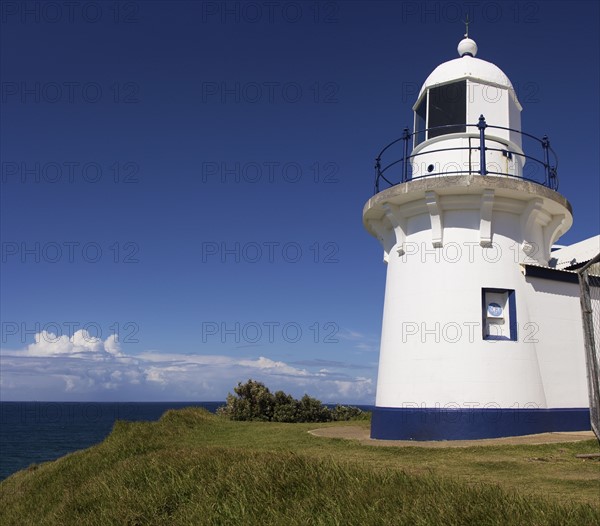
(194,468)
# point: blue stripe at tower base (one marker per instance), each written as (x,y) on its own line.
(390,423)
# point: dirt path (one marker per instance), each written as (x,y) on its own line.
(361,434)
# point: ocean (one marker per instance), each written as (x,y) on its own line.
(34,432)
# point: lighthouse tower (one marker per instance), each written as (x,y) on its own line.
(462,205)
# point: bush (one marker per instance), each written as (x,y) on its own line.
(286,408)
(254,401)
(312,410)
(346,412)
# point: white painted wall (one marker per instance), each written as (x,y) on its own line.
(458,160)
(556,316)
(432,349)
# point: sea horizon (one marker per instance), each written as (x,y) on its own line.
(32,432)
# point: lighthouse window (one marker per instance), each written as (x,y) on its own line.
(447,107)
(499,314)
(421,120)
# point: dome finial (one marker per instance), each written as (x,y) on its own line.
(467,46)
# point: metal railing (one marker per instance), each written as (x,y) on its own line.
(389,173)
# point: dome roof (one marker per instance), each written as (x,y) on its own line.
(467,67)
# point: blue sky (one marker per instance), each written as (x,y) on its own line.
(191,177)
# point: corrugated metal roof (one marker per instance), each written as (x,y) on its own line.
(540,271)
(576,254)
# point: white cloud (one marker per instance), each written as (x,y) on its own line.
(84,367)
(112,346)
(80,344)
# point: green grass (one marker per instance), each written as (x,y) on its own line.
(194,468)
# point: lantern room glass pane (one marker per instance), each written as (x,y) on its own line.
(448,106)
(421,120)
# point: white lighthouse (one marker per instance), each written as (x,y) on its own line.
(480,336)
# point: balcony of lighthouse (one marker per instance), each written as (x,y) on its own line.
(478,148)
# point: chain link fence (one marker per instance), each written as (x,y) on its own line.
(589,283)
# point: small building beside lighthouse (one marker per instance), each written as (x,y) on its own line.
(481,334)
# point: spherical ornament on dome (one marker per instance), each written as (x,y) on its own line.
(467,46)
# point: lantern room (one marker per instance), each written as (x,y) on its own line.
(447,121)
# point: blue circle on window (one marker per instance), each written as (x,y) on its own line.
(494,309)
